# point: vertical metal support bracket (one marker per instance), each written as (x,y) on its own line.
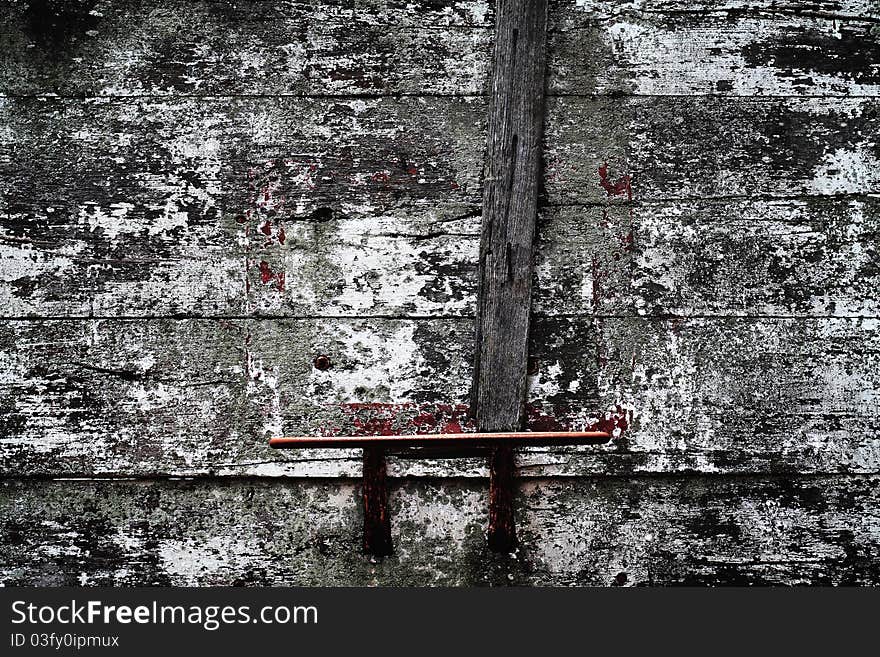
(377,520)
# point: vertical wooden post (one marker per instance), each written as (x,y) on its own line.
(377,521)
(510,203)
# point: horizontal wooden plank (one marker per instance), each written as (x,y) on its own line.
(243,47)
(672,148)
(814,257)
(571,11)
(699,531)
(149,396)
(358,263)
(200,206)
(731,53)
(716,395)
(810,257)
(165,397)
(221,47)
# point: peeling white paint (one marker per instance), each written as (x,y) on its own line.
(193,561)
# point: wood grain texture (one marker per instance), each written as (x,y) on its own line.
(775,392)
(154,395)
(308,174)
(641,531)
(180,398)
(510,207)
(799,257)
(510,212)
(154,208)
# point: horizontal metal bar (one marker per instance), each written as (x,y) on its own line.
(445,439)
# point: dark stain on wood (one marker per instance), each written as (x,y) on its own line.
(56,25)
(852,53)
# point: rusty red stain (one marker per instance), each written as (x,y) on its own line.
(622,186)
(281,234)
(387,419)
(266,228)
(614,421)
(266,273)
(537,420)
(373,418)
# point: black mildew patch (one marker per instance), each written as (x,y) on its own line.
(448,280)
(55,25)
(852,53)
(571,355)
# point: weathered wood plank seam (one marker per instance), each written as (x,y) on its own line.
(427,318)
(416,95)
(867,475)
(749,13)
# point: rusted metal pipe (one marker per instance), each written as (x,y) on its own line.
(524,438)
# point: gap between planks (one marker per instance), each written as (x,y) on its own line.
(634,476)
(417,318)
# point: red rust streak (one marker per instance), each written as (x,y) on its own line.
(622,186)
(266,274)
(408,419)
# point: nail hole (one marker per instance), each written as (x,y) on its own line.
(322,214)
(322,363)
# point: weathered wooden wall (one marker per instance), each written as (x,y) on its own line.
(200,197)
